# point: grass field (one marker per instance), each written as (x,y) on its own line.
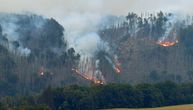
(179,107)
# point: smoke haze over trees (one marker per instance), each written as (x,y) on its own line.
(35,51)
(95,54)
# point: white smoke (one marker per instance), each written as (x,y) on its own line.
(24,51)
(9,30)
(81,33)
(9,27)
(111,62)
(171,28)
(89,44)
(81,18)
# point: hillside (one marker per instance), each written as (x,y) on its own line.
(143,59)
(33,54)
(38,52)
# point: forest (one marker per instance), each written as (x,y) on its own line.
(36,62)
(102,97)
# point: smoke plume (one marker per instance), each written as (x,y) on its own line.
(9,27)
(81,20)
(81,33)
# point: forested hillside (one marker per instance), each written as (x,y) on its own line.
(140,43)
(35,54)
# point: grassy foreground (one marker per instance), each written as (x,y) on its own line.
(178,107)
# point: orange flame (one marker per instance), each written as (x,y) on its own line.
(87,77)
(167,43)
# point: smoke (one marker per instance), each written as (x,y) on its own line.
(81,20)
(169,26)
(172,26)
(21,31)
(115,63)
(89,44)
(24,51)
(56,8)
(81,33)
(9,27)
(81,29)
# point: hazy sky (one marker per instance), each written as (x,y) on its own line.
(118,7)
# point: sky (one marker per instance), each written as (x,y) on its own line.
(53,8)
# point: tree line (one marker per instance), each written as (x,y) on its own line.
(104,96)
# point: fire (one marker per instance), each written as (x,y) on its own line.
(99,82)
(169,40)
(41,71)
(167,43)
(117,69)
(88,77)
(117,66)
